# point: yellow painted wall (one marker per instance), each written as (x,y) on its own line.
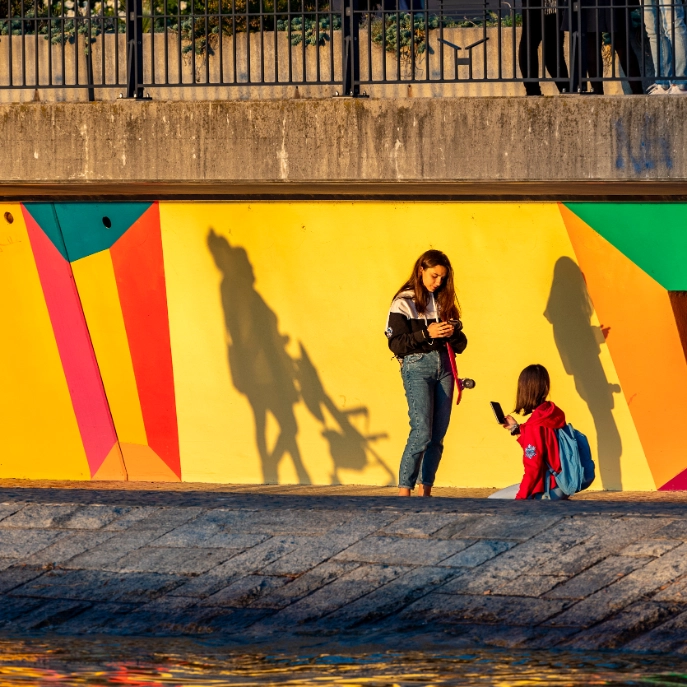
(39,436)
(325,274)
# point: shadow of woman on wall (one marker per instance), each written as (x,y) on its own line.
(260,365)
(570,310)
(350,449)
(272,381)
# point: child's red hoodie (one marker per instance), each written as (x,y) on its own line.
(540,446)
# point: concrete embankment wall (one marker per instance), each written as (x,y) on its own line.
(255,568)
(242,341)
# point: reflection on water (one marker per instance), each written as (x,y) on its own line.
(161,662)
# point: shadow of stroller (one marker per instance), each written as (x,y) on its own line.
(569,310)
(348,447)
(261,368)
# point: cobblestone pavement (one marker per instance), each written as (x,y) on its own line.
(253,564)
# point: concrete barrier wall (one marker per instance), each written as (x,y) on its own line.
(243,342)
(346,146)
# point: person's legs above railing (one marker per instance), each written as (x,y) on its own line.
(673,25)
(661,54)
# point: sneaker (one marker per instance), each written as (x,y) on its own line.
(677,90)
(657,89)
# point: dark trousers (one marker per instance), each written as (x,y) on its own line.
(592,45)
(538,27)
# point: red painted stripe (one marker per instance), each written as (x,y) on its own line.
(678,483)
(140,276)
(74,345)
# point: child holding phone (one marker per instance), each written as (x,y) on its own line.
(537,436)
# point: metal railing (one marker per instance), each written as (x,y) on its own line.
(348,46)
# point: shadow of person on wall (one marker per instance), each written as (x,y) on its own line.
(261,368)
(349,448)
(570,310)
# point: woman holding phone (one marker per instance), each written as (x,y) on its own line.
(424,329)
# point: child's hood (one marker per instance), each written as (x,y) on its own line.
(548,414)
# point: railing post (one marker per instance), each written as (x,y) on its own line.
(134,49)
(350,26)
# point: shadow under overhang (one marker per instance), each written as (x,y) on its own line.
(347,190)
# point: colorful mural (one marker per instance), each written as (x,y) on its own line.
(243,342)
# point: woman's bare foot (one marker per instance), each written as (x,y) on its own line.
(402,491)
(425,490)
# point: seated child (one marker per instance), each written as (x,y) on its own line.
(537,437)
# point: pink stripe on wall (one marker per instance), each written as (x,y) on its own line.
(74,345)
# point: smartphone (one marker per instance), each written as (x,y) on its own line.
(498,412)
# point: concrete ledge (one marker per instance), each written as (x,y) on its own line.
(370,190)
(577,575)
(444,147)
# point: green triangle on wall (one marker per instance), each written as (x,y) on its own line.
(652,235)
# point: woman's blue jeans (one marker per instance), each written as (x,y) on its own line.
(428,383)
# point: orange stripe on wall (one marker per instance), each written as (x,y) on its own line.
(644,343)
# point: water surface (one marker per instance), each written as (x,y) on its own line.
(159,662)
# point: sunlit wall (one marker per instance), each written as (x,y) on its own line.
(244,342)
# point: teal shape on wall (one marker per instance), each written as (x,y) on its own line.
(82,229)
(44,214)
(652,235)
(85,225)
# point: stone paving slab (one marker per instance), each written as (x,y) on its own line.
(250,563)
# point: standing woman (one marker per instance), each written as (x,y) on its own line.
(424,317)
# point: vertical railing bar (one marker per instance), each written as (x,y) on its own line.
(485,56)
(165,37)
(10,61)
(441,40)
(288,41)
(165,41)
(35,42)
(513,52)
(558,44)
(88,52)
(180,71)
(499,28)
(22,14)
(317,41)
(542,63)
(233,41)
(50,79)
(398,42)
(332,63)
(77,79)
(369,41)
(428,64)
(248,55)
(64,48)
(276,42)
(262,42)
(153,64)
(527,12)
(220,35)
(115,5)
(103,72)
(411,13)
(193,41)
(207,42)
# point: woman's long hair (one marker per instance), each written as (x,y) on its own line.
(445,295)
(533,388)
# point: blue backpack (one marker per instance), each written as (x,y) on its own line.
(577,467)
